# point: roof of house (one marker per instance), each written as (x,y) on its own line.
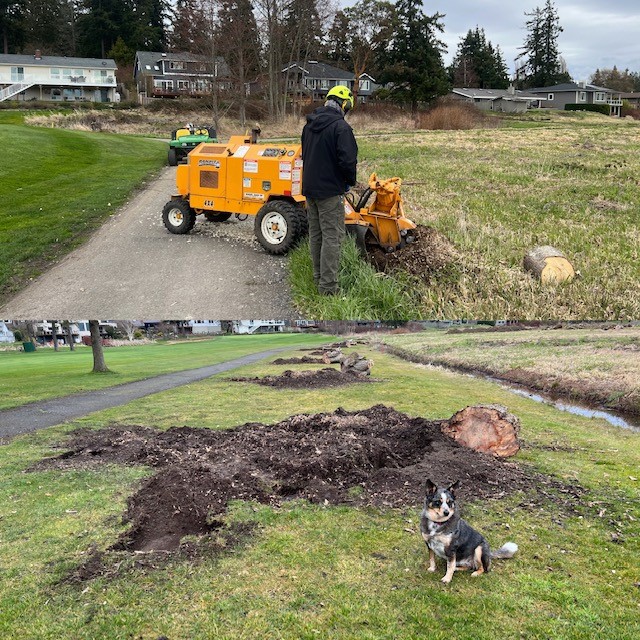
(57,61)
(570,86)
(152,60)
(494,94)
(315,69)
(633,95)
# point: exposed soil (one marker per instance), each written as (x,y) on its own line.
(429,255)
(326,377)
(378,457)
(303,360)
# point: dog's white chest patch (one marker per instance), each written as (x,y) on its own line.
(437,545)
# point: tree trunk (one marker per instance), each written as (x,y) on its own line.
(549,265)
(66,325)
(54,334)
(99,365)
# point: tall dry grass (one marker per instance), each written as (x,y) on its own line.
(453,116)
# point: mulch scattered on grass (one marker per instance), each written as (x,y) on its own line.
(429,255)
(326,377)
(302,360)
(377,457)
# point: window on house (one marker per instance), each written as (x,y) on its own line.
(550,96)
(600,97)
(582,97)
(55,74)
(183,85)
(17,74)
(165,85)
(324,84)
(365,85)
(178,66)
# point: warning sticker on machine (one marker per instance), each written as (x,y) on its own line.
(254,196)
(285,166)
(297,163)
(241,151)
(295,189)
(285,175)
(246,183)
(250,166)
(295,175)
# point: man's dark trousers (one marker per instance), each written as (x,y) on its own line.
(326,232)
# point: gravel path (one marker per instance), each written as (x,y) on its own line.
(133,268)
(39,415)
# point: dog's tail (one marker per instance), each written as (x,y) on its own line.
(507,550)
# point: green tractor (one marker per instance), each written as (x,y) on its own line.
(186,139)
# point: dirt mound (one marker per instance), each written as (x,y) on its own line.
(430,254)
(376,457)
(303,360)
(288,379)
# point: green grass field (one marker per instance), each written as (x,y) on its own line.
(497,193)
(56,186)
(27,377)
(316,571)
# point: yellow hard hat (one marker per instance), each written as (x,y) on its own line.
(342,95)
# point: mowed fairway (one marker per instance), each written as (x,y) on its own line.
(571,183)
(56,186)
(322,571)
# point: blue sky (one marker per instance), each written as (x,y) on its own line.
(597,33)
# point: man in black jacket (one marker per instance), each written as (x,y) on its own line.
(330,157)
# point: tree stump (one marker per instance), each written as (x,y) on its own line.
(549,264)
(488,428)
(332,356)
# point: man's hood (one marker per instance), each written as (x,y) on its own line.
(322,117)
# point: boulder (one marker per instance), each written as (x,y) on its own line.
(356,364)
(488,428)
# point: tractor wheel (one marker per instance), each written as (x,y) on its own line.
(173,157)
(216,216)
(279,225)
(178,216)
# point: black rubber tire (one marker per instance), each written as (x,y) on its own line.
(172,157)
(287,214)
(178,217)
(217,216)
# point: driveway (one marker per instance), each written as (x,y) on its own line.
(133,268)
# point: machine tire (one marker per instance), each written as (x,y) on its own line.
(178,217)
(279,225)
(173,157)
(217,216)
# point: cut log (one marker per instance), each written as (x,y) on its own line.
(549,264)
(332,356)
(356,364)
(488,428)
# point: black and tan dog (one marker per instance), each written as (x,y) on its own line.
(448,536)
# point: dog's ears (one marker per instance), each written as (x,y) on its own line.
(455,485)
(430,487)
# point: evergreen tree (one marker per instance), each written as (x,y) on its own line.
(12,27)
(337,49)
(100,25)
(187,27)
(304,29)
(44,25)
(477,64)
(414,63)
(624,81)
(149,33)
(541,65)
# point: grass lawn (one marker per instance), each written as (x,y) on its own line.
(495,194)
(329,572)
(27,377)
(56,187)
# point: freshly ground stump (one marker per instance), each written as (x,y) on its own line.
(485,428)
(377,457)
(325,377)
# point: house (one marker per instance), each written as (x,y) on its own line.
(205,327)
(313,79)
(57,78)
(6,335)
(560,95)
(258,326)
(170,75)
(500,100)
(632,98)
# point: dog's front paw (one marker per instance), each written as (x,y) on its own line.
(446,580)
(431,568)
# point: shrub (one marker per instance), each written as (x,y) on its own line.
(597,108)
(454,115)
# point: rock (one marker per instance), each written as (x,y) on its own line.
(486,428)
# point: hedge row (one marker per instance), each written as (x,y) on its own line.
(599,108)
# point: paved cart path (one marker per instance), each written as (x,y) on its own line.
(133,268)
(46,413)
